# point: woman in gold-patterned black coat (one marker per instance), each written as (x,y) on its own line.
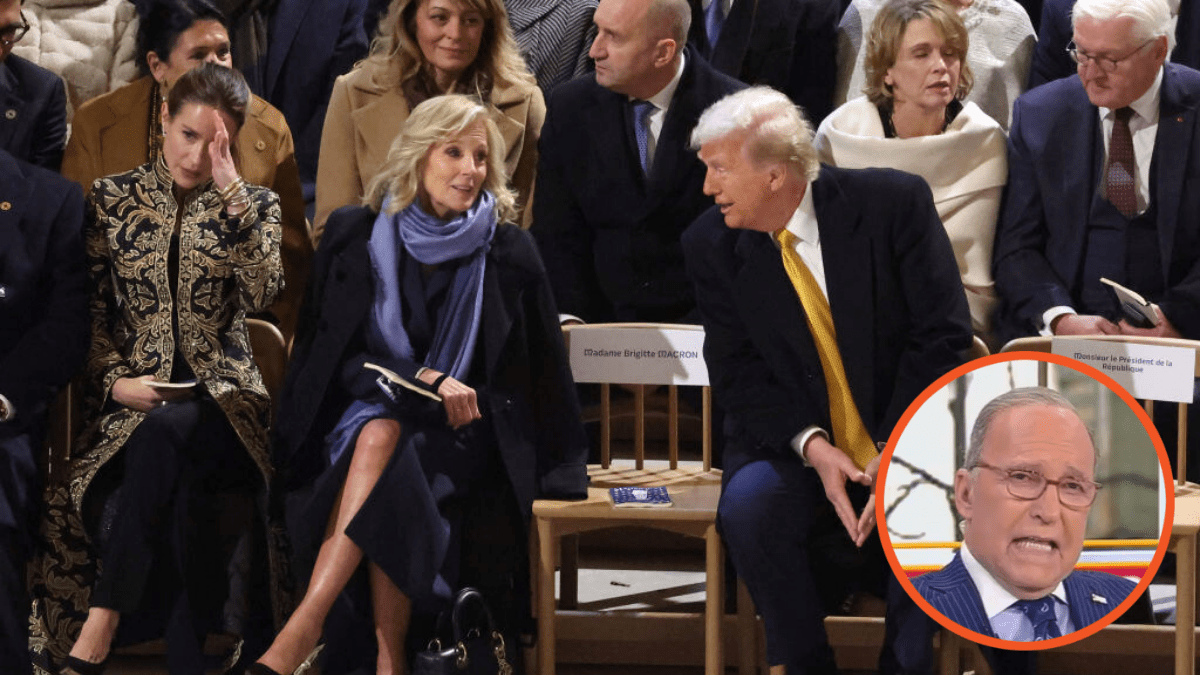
(175,409)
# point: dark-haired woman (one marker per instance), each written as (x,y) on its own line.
(179,250)
(122,129)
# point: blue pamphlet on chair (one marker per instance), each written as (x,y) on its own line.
(639,496)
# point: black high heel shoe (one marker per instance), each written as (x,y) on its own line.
(257,668)
(77,665)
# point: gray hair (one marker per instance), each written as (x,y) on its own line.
(1151,18)
(776,129)
(1017,398)
(673,15)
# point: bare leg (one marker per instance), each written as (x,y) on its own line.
(95,638)
(392,610)
(339,556)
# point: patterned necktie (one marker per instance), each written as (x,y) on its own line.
(849,434)
(1041,615)
(714,18)
(641,130)
(1119,185)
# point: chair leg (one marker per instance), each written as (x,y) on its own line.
(747,622)
(714,603)
(568,584)
(546,618)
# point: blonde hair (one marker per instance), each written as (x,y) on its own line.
(775,126)
(499,58)
(435,121)
(887,32)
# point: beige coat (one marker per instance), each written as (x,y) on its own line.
(365,114)
(110,135)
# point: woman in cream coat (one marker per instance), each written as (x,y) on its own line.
(913,119)
(426,48)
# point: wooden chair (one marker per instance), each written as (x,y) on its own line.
(1185,530)
(694,490)
(270,353)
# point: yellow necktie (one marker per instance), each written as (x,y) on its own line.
(849,434)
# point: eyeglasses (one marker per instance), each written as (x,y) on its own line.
(1106,64)
(1074,493)
(12,34)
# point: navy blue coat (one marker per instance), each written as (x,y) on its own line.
(1055,155)
(33,121)
(608,234)
(898,307)
(1090,595)
(312,42)
(44,322)
(790,45)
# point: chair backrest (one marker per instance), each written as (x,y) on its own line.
(1045,344)
(979,348)
(270,354)
(646,356)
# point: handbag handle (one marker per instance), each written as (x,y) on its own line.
(466,598)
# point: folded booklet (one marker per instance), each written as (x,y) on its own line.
(392,378)
(1134,307)
(639,496)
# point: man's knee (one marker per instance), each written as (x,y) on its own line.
(763,503)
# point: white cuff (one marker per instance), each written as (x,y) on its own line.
(1050,315)
(563,318)
(800,441)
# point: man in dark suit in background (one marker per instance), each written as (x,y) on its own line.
(43,338)
(1015,577)
(617,184)
(33,100)
(830,299)
(790,45)
(1104,181)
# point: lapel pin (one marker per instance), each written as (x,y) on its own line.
(5,206)
(10,114)
(1099,599)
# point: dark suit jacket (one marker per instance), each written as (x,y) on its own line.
(311,43)
(44,321)
(610,235)
(790,45)
(34,124)
(898,308)
(952,592)
(531,399)
(1050,58)
(1054,157)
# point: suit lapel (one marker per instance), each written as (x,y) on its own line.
(671,155)
(848,256)
(1176,120)
(952,592)
(1086,604)
(285,27)
(498,310)
(735,37)
(11,107)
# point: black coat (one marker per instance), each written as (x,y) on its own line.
(33,105)
(531,398)
(609,234)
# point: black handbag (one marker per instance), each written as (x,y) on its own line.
(478,647)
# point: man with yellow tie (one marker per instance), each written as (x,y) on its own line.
(830,299)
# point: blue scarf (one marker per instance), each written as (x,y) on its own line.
(431,240)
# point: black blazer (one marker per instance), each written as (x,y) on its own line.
(33,113)
(44,323)
(898,308)
(531,397)
(1055,152)
(790,45)
(609,234)
(312,42)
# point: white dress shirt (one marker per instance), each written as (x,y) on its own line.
(1008,621)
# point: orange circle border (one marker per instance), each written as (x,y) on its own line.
(1163,461)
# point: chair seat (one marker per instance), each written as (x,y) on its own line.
(654,472)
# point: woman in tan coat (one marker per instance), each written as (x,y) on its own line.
(426,48)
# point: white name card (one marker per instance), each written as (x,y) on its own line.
(642,355)
(1146,371)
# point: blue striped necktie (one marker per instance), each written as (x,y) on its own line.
(714,18)
(641,130)
(1041,615)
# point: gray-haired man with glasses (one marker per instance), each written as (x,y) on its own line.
(1024,495)
(33,100)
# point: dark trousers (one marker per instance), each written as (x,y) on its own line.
(779,528)
(19,492)
(162,551)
